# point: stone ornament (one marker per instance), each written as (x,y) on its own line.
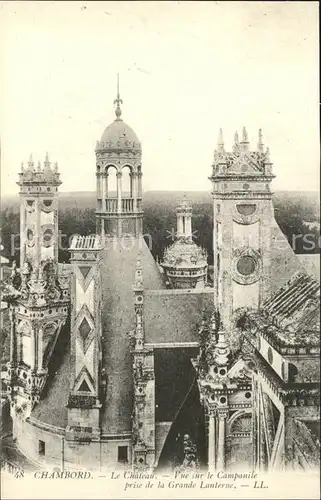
(246,213)
(246,266)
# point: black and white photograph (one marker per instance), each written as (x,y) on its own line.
(160,250)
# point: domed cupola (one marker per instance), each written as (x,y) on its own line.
(185,263)
(118,156)
(118,136)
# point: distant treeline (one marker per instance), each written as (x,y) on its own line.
(296,214)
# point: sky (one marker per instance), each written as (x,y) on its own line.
(186,70)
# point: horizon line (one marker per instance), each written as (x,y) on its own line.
(3,195)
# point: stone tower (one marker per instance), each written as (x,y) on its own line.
(40,307)
(243,215)
(185,264)
(118,156)
(38,215)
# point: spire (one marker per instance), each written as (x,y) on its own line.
(236,142)
(30,163)
(56,166)
(38,166)
(267,155)
(260,142)
(244,135)
(138,283)
(220,141)
(245,140)
(46,162)
(221,349)
(22,167)
(118,101)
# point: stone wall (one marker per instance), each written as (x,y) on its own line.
(57,451)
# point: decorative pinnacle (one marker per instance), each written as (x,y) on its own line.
(221,349)
(22,167)
(213,324)
(260,141)
(118,101)
(220,141)
(30,163)
(236,139)
(244,135)
(47,162)
(138,273)
(236,142)
(38,166)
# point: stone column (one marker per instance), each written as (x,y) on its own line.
(133,189)
(103,196)
(106,185)
(98,184)
(211,439)
(180,230)
(254,424)
(119,192)
(261,436)
(13,354)
(38,236)
(140,185)
(33,347)
(221,440)
(40,349)
(188,226)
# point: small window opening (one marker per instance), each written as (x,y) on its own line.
(123,454)
(42,448)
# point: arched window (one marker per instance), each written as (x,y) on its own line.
(139,181)
(126,182)
(111,182)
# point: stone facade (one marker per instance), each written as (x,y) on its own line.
(184,263)
(112,368)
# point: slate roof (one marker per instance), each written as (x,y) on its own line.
(292,316)
(284,262)
(174,315)
(311,263)
(51,408)
(118,319)
(296,303)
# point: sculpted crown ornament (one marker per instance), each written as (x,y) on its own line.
(43,174)
(184,252)
(37,288)
(227,163)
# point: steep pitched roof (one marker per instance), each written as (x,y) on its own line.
(51,408)
(296,303)
(118,319)
(173,316)
(311,263)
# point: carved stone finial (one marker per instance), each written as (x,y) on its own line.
(13,269)
(221,349)
(236,144)
(46,162)
(244,135)
(220,141)
(260,142)
(138,272)
(30,163)
(22,167)
(118,101)
(38,166)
